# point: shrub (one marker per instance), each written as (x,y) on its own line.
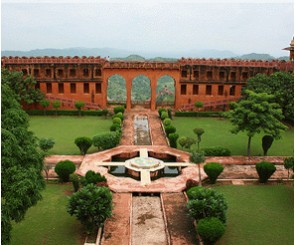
(119,109)
(160,111)
(289,164)
(182,141)
(169,130)
(164,115)
(169,110)
(79,105)
(173,139)
(199,104)
(210,230)
(46,144)
(56,104)
(213,170)
(117,120)
(205,203)
(167,122)
(74,178)
(92,178)
(119,115)
(265,170)
(83,143)
(64,169)
(217,151)
(44,103)
(198,114)
(266,143)
(186,142)
(105,141)
(104,112)
(115,127)
(91,205)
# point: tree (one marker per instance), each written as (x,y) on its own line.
(56,104)
(198,158)
(256,113)
(289,164)
(83,143)
(46,144)
(199,132)
(278,84)
(199,105)
(45,103)
(22,164)
(79,105)
(91,205)
(266,143)
(24,88)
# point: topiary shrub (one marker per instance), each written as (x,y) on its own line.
(46,144)
(64,169)
(173,139)
(266,143)
(92,177)
(164,115)
(217,151)
(289,164)
(117,120)
(83,143)
(186,142)
(56,104)
(213,170)
(210,230)
(160,111)
(167,122)
(199,104)
(115,127)
(91,205)
(118,109)
(74,178)
(265,170)
(105,141)
(119,115)
(169,130)
(169,110)
(79,105)
(205,203)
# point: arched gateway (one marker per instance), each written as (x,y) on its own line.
(90,79)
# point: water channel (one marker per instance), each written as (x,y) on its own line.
(141,131)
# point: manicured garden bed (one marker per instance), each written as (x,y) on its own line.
(65,129)
(259,215)
(217,133)
(48,222)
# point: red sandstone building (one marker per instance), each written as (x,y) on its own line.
(86,78)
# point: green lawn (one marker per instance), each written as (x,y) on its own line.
(65,129)
(217,133)
(48,222)
(259,215)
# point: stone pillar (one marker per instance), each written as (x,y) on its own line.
(128,93)
(153,93)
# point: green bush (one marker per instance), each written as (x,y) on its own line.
(266,143)
(118,109)
(83,143)
(173,139)
(74,178)
(92,177)
(213,170)
(117,120)
(91,205)
(79,105)
(169,130)
(119,115)
(169,110)
(56,104)
(46,144)
(289,164)
(115,127)
(205,203)
(186,142)
(210,230)
(104,112)
(199,104)
(64,169)
(265,170)
(167,122)
(198,114)
(216,151)
(105,141)
(164,115)
(160,111)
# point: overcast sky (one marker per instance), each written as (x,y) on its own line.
(241,27)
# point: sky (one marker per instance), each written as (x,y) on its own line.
(241,26)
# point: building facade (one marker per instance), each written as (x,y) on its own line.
(86,78)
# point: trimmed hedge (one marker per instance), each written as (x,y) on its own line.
(198,114)
(92,177)
(65,113)
(160,110)
(210,230)
(64,169)
(164,115)
(216,151)
(118,109)
(173,139)
(265,170)
(213,170)
(107,140)
(83,143)
(169,130)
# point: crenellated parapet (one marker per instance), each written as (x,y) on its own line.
(141,65)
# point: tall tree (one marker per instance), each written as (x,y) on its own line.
(279,84)
(22,164)
(23,87)
(256,113)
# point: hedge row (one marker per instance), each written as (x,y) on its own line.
(64,113)
(198,114)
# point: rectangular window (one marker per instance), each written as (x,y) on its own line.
(60,72)
(221,75)
(232,90)
(209,75)
(85,72)
(183,89)
(196,74)
(233,76)
(245,75)
(72,72)
(86,88)
(220,89)
(195,89)
(98,72)
(73,88)
(49,88)
(60,88)
(36,72)
(184,73)
(208,89)
(48,72)
(98,88)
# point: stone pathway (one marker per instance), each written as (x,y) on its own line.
(157,134)
(179,224)
(117,228)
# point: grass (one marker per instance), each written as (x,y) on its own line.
(48,222)
(259,215)
(65,129)
(217,133)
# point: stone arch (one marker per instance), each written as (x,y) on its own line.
(141,91)
(116,89)
(165,91)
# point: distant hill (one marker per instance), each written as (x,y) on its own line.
(255,56)
(133,57)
